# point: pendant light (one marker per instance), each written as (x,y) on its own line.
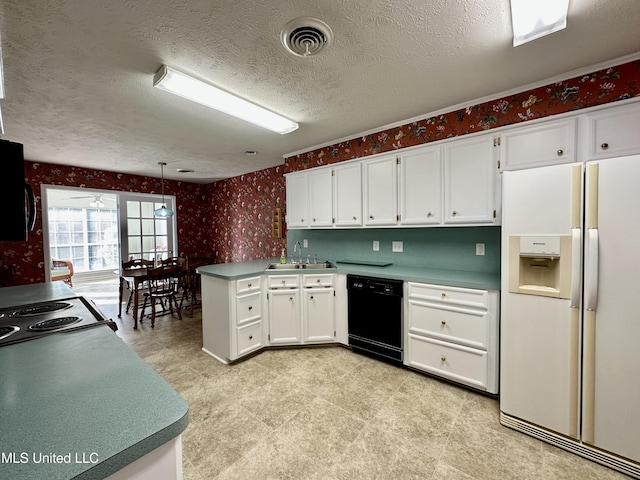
(163,211)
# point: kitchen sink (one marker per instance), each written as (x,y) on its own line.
(300,266)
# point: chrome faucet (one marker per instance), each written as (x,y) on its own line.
(298,248)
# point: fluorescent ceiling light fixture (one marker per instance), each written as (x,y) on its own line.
(533,19)
(173,81)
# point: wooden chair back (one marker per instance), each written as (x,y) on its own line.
(137,263)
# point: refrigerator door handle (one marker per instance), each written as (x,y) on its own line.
(591,284)
(576,241)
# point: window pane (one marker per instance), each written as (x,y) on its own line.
(161,226)
(133,225)
(148,245)
(135,245)
(133,209)
(147,227)
(147,209)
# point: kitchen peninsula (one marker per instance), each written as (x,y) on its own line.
(247,307)
(83,405)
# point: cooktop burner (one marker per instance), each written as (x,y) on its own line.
(41,308)
(31,321)
(53,324)
(8,330)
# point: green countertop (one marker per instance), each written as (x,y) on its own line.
(82,395)
(452,278)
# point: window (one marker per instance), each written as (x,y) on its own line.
(147,236)
(86,236)
(96,229)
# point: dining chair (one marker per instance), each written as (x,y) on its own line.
(134,264)
(163,284)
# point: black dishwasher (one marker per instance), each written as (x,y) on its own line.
(375,317)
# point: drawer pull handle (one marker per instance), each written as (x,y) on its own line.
(429,214)
(444,295)
(318,281)
(443,323)
(283,282)
(314,219)
(250,337)
(443,359)
(248,285)
(370,217)
(250,308)
(560,152)
(291,299)
(311,297)
(355,218)
(604,146)
(454,213)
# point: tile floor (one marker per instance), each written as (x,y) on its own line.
(330,414)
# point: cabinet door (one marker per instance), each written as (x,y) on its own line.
(381,191)
(318,314)
(547,143)
(284,316)
(613,132)
(320,198)
(348,195)
(297,201)
(469,175)
(420,192)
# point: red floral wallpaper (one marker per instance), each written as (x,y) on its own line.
(604,86)
(193,214)
(233,217)
(242,208)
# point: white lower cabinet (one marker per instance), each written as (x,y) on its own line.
(231,317)
(318,315)
(301,309)
(453,333)
(284,316)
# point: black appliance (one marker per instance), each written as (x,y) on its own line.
(16,196)
(375,317)
(28,322)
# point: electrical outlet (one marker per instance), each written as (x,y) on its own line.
(305,243)
(479,248)
(376,246)
(396,246)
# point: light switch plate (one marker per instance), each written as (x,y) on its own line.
(305,243)
(479,248)
(396,246)
(376,246)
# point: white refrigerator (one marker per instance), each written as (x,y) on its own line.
(570,313)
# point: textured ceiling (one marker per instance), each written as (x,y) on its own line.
(78,73)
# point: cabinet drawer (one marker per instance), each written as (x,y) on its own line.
(449,295)
(248,307)
(284,281)
(245,285)
(317,280)
(249,337)
(455,362)
(449,323)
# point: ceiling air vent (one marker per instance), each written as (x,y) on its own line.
(306,36)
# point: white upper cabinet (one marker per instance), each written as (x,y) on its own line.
(347,189)
(470,170)
(320,186)
(613,132)
(543,144)
(420,187)
(381,191)
(297,200)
